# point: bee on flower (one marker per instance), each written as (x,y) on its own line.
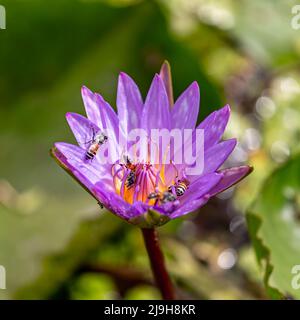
(131,188)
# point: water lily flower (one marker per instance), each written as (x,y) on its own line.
(142,193)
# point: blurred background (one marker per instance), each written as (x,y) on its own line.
(55,241)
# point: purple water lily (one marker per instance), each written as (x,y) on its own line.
(142,193)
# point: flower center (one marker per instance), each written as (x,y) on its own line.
(134,182)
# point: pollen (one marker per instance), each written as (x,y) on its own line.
(136,183)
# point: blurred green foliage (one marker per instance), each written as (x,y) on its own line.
(53,234)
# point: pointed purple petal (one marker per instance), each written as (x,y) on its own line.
(185,112)
(82,128)
(156,112)
(63,161)
(91,107)
(201,187)
(71,152)
(139,208)
(214,126)
(109,118)
(215,156)
(189,207)
(110,123)
(113,202)
(129,103)
(166,76)
(70,156)
(230,177)
(166,208)
(74,159)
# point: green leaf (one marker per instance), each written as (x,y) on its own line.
(274,227)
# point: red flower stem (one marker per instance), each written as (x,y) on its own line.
(157,262)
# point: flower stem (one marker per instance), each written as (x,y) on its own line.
(158,267)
